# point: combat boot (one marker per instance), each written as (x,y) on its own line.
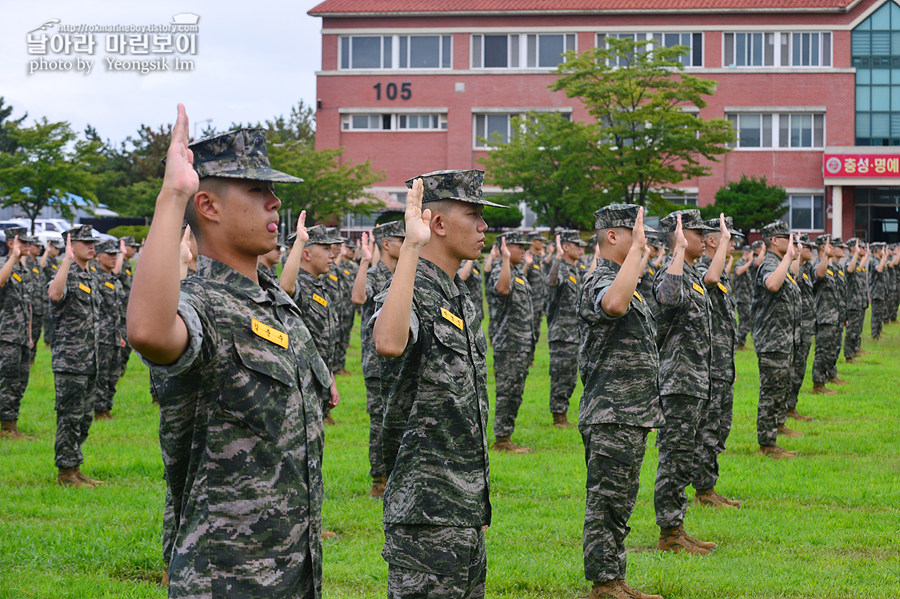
(836,381)
(68,477)
(611,589)
(91,481)
(165,579)
(561,421)
(783,430)
(9,429)
(821,389)
(329,420)
(726,500)
(103,415)
(674,540)
(706,498)
(741,347)
(793,413)
(776,452)
(327,534)
(702,544)
(378,484)
(506,446)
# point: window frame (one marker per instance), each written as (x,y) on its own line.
(694,46)
(782,47)
(772,130)
(509,113)
(395,119)
(393,61)
(817,210)
(520,48)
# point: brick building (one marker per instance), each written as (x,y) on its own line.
(812,87)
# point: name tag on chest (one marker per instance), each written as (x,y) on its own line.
(698,289)
(110,285)
(84,287)
(17,277)
(573,279)
(453,318)
(638,295)
(723,288)
(333,277)
(520,281)
(268,333)
(319,299)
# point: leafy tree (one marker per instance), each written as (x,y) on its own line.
(648,138)
(548,165)
(7,142)
(48,164)
(502,218)
(752,203)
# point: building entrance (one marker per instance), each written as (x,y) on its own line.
(877,214)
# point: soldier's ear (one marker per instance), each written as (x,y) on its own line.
(437,224)
(207,205)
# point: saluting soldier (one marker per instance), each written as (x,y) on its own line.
(512,322)
(878,286)
(38,288)
(620,403)
(49,266)
(743,286)
(829,308)
(471,272)
(803,274)
(16,323)
(892,300)
(110,343)
(857,297)
(536,275)
(349,270)
(564,283)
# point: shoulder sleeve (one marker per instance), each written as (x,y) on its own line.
(189,313)
(413,316)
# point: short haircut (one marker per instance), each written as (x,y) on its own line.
(215,185)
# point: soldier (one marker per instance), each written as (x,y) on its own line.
(349,270)
(564,282)
(49,266)
(38,284)
(470,272)
(269,260)
(743,285)
(338,283)
(126,276)
(369,283)
(878,286)
(620,403)
(684,341)
(512,321)
(240,372)
(75,304)
(536,275)
(16,324)
(857,298)
(776,334)
(803,274)
(892,298)
(828,302)
(109,348)
(722,373)
(437,501)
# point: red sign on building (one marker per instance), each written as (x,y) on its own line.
(861,165)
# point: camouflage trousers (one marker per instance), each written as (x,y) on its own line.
(343,339)
(801,357)
(677,440)
(853,332)
(713,434)
(15,367)
(434,562)
(775,373)
(537,316)
(892,301)
(109,358)
(878,312)
(828,347)
(36,336)
(74,415)
(613,454)
(563,375)
(745,322)
(510,372)
(375,408)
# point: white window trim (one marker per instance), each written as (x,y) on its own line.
(648,36)
(348,114)
(523,50)
(728,64)
(807,192)
(395,52)
(776,130)
(513,111)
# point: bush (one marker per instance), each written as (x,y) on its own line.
(139,232)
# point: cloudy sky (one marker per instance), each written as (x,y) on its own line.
(253,60)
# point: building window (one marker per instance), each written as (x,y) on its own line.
(806,212)
(396,51)
(687,199)
(875,52)
(693,41)
(492,129)
(394,122)
(513,51)
(799,49)
(789,130)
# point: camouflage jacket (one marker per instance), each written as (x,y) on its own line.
(877,280)
(683,336)
(829,297)
(241,439)
(76,320)
(536,275)
(377,278)
(562,302)
(512,319)
(776,316)
(319,314)
(15,307)
(807,302)
(645,288)
(724,326)
(336,284)
(475,287)
(37,284)
(857,291)
(349,268)
(112,298)
(743,284)
(436,410)
(618,358)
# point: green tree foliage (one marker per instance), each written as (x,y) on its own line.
(48,164)
(7,142)
(648,135)
(752,203)
(502,218)
(548,165)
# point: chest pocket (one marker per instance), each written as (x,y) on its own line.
(259,384)
(448,361)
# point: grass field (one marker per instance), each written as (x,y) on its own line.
(824,525)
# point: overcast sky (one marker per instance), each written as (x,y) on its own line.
(254,60)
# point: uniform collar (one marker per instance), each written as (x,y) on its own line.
(449,287)
(265,291)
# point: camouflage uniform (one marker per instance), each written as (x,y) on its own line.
(722,375)
(620,404)
(857,302)
(15,355)
(109,349)
(50,269)
(38,298)
(435,446)
(513,339)
(349,268)
(645,288)
(241,425)
(536,276)
(743,285)
(807,331)
(877,291)
(828,301)
(334,286)
(75,351)
(318,314)
(776,334)
(564,283)
(892,297)
(475,287)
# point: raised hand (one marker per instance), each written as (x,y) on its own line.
(15,249)
(680,239)
(186,254)
(70,252)
(122,246)
(529,259)
(504,251)
(365,251)
(418,222)
(180,177)
(559,250)
(302,234)
(495,252)
(638,238)
(723,228)
(791,249)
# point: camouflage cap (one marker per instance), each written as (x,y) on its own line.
(823,239)
(690,219)
(592,240)
(535,235)
(320,235)
(464,186)
(852,242)
(20,232)
(59,244)
(612,216)
(335,233)
(350,244)
(107,246)
(877,245)
(238,154)
(513,238)
(395,228)
(80,233)
(130,242)
(803,239)
(571,236)
(713,223)
(756,245)
(838,242)
(779,227)
(31,239)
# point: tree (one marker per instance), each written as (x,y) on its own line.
(648,135)
(548,165)
(48,165)
(752,203)
(502,218)
(7,142)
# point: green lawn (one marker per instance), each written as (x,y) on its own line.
(826,524)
